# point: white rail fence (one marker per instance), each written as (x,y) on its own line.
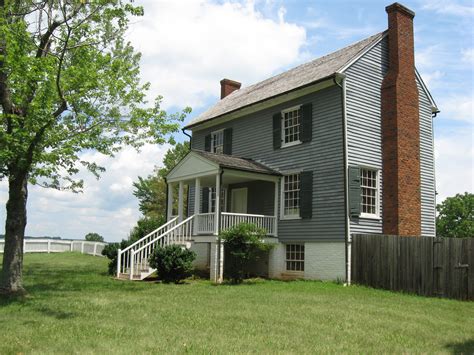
(46,245)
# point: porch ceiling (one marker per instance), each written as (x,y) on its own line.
(206,165)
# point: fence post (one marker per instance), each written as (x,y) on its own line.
(119,262)
(95,249)
(49,246)
(82,247)
(72,245)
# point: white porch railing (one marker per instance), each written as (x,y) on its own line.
(205,223)
(229,219)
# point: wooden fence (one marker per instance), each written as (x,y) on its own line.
(46,245)
(442,267)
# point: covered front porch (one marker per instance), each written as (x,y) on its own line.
(222,191)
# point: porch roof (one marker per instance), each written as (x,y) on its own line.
(233,162)
(199,164)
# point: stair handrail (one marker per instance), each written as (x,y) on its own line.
(146,250)
(150,234)
(180,224)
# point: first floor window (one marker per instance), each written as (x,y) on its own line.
(217,142)
(291,126)
(369,193)
(212,199)
(291,195)
(295,257)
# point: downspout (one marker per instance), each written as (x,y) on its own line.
(342,84)
(167,193)
(190,137)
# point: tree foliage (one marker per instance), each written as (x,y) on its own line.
(151,191)
(94,237)
(456,216)
(69,84)
(244,243)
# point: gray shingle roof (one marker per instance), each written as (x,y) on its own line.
(233,162)
(302,75)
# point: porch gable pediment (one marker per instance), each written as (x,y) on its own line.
(193,165)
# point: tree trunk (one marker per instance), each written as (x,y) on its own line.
(11,276)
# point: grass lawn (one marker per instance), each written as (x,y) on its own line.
(74,307)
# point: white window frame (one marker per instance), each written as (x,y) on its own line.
(302,261)
(375,215)
(213,141)
(282,197)
(282,125)
(223,207)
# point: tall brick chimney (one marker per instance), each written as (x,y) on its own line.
(401,129)
(228,86)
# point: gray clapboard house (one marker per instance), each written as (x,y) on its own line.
(312,155)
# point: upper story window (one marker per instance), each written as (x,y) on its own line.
(369,192)
(217,142)
(291,196)
(290,130)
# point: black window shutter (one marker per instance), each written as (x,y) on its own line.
(306,194)
(207,143)
(306,125)
(277,130)
(228,141)
(354,191)
(205,200)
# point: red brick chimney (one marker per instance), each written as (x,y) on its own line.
(401,129)
(228,86)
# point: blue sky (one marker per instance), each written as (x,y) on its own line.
(189,46)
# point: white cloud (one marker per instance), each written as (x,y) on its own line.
(450,7)
(454,158)
(467,56)
(188,48)
(107,206)
(458,108)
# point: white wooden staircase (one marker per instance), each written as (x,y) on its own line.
(132,262)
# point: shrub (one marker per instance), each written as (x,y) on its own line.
(111,252)
(173,263)
(244,242)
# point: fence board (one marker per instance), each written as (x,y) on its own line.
(425,266)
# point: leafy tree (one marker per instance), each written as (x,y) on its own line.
(244,242)
(151,191)
(145,226)
(456,216)
(94,237)
(69,82)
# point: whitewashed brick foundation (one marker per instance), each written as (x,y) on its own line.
(323,261)
(202,255)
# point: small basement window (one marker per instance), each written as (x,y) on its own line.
(295,257)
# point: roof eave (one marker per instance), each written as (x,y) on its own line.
(191,126)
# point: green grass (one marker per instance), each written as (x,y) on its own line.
(74,307)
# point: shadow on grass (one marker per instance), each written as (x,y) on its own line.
(465,347)
(55,313)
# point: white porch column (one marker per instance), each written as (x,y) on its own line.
(197,203)
(218,202)
(275,213)
(180,201)
(170,201)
